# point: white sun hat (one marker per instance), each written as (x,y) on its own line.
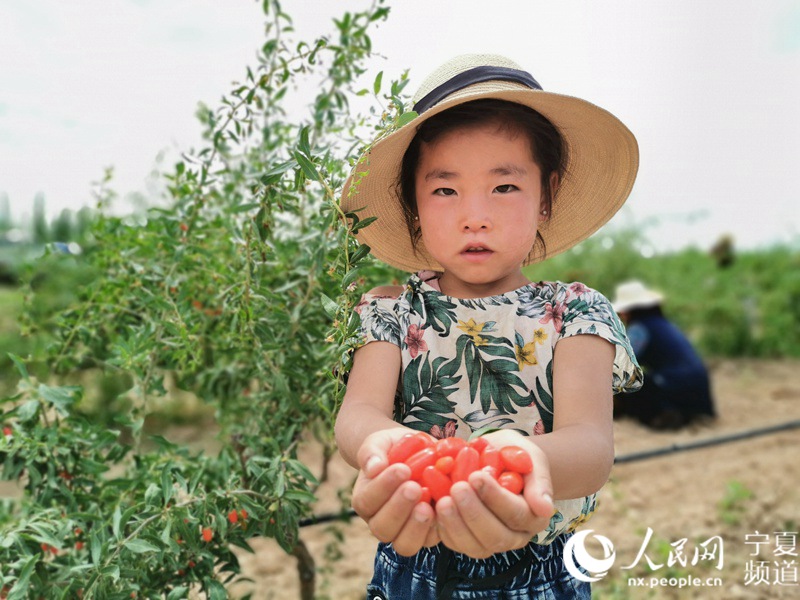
(634,294)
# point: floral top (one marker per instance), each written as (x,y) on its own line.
(488,362)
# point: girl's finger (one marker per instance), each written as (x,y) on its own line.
(387,523)
(433,537)
(491,533)
(454,532)
(514,511)
(369,495)
(414,534)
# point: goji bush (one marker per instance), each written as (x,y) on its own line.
(237,286)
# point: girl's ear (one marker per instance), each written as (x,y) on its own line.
(547,199)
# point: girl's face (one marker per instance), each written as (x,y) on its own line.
(479,197)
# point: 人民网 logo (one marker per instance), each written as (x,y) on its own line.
(576,555)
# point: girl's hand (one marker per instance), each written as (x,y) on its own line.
(481,518)
(388,501)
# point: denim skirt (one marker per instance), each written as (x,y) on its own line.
(535,572)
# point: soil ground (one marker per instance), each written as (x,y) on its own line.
(737,491)
(734,490)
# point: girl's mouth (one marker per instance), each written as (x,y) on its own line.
(476,253)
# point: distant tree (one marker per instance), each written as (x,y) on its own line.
(5,214)
(39,229)
(61,228)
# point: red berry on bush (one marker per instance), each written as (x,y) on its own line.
(7,431)
(208,535)
(233,516)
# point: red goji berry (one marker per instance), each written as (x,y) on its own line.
(208,535)
(445,464)
(479,444)
(512,481)
(233,516)
(243,514)
(184,227)
(426,496)
(407,446)
(437,482)
(78,545)
(450,446)
(417,462)
(467,461)
(490,457)
(516,459)
(7,431)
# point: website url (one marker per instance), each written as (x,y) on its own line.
(675,582)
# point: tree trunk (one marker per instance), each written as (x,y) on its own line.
(306,569)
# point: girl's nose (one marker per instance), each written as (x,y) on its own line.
(475,216)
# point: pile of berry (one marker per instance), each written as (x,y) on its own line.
(437,464)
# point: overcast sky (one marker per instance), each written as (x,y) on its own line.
(711,89)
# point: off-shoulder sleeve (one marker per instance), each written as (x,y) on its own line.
(379,322)
(587,311)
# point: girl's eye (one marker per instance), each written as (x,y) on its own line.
(444,192)
(506,188)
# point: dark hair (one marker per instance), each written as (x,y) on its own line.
(647,311)
(548,148)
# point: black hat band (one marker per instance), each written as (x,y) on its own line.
(470,77)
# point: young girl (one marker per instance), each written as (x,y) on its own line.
(494,174)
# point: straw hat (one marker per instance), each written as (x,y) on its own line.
(603,158)
(634,294)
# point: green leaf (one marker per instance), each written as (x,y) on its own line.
(406,118)
(166,482)
(28,411)
(20,589)
(304,145)
(215,590)
(95,546)
(360,253)
(115,521)
(300,495)
(363,223)
(152,495)
(138,546)
(329,306)
(309,170)
(376,86)
(60,397)
(23,371)
(482,431)
(178,593)
(350,277)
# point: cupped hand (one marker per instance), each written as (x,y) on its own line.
(388,501)
(480,518)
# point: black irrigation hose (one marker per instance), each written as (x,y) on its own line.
(714,441)
(625,458)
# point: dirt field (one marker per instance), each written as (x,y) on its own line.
(732,490)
